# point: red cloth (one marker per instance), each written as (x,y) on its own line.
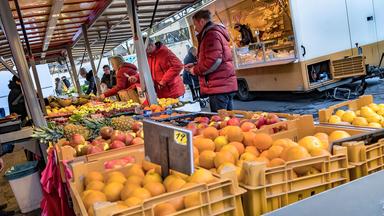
(55,200)
(122,81)
(213,45)
(166,67)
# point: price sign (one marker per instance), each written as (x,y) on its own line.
(180,137)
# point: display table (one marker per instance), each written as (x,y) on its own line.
(24,139)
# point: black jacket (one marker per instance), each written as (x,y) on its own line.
(16,102)
(109,79)
(246,35)
(187,77)
(91,83)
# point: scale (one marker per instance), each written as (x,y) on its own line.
(168,146)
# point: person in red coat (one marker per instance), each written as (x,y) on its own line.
(126,76)
(165,69)
(214,65)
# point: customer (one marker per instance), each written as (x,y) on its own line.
(191,80)
(16,101)
(126,76)
(214,63)
(165,68)
(109,77)
(91,81)
(66,82)
(58,86)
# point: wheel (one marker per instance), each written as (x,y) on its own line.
(243,93)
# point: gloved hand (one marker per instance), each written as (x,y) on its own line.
(6,148)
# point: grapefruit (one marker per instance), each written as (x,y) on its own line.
(248,138)
(210,133)
(319,152)
(337,135)
(324,138)
(234,134)
(223,157)
(295,153)
(252,149)
(274,152)
(334,119)
(310,142)
(203,144)
(201,176)
(239,146)
(155,188)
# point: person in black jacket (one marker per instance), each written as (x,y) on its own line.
(109,77)
(246,34)
(90,79)
(66,82)
(191,80)
(16,102)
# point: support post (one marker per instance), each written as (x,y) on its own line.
(38,85)
(90,56)
(145,72)
(73,71)
(9,28)
(9,68)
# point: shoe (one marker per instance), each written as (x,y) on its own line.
(3,206)
(7,213)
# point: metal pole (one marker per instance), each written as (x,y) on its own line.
(9,68)
(74,72)
(90,56)
(38,85)
(102,50)
(9,28)
(145,73)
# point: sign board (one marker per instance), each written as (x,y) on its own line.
(168,146)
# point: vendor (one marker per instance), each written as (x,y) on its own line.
(126,76)
(165,69)
(91,81)
(109,77)
(246,34)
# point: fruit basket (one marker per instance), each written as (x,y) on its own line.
(212,196)
(361,112)
(365,153)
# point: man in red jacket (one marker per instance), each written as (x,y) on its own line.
(165,69)
(126,76)
(214,64)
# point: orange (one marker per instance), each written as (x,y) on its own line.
(155,188)
(285,142)
(175,184)
(223,157)
(148,165)
(239,146)
(247,126)
(164,209)
(93,176)
(120,178)
(234,134)
(201,176)
(141,193)
(133,201)
(203,144)
(248,138)
(252,149)
(134,180)
(323,137)
(319,152)
(195,152)
(135,170)
(93,197)
(264,154)
(112,191)
(262,159)
(192,200)
(95,185)
(274,152)
(178,203)
(127,190)
(152,176)
(295,153)
(247,156)
(232,149)
(262,141)
(210,133)
(276,162)
(206,159)
(337,135)
(310,142)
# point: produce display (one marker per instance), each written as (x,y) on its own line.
(139,182)
(232,145)
(367,116)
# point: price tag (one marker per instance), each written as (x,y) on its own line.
(180,137)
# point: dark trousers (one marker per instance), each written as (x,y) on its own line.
(221,101)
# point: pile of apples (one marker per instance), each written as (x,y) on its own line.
(108,139)
(367,116)
(257,122)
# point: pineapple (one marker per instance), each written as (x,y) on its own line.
(71,129)
(122,123)
(94,125)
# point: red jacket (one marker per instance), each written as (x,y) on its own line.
(122,81)
(215,65)
(166,67)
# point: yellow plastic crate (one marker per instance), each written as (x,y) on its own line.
(365,159)
(222,197)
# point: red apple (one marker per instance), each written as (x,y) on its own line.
(137,141)
(223,124)
(260,122)
(234,122)
(192,127)
(77,139)
(94,149)
(137,126)
(202,125)
(106,132)
(118,135)
(117,144)
(216,118)
(202,120)
(97,142)
(128,139)
(272,119)
(104,146)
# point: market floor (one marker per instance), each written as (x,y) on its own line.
(6,194)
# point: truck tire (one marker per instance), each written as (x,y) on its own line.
(243,93)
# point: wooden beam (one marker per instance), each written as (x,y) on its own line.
(53,17)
